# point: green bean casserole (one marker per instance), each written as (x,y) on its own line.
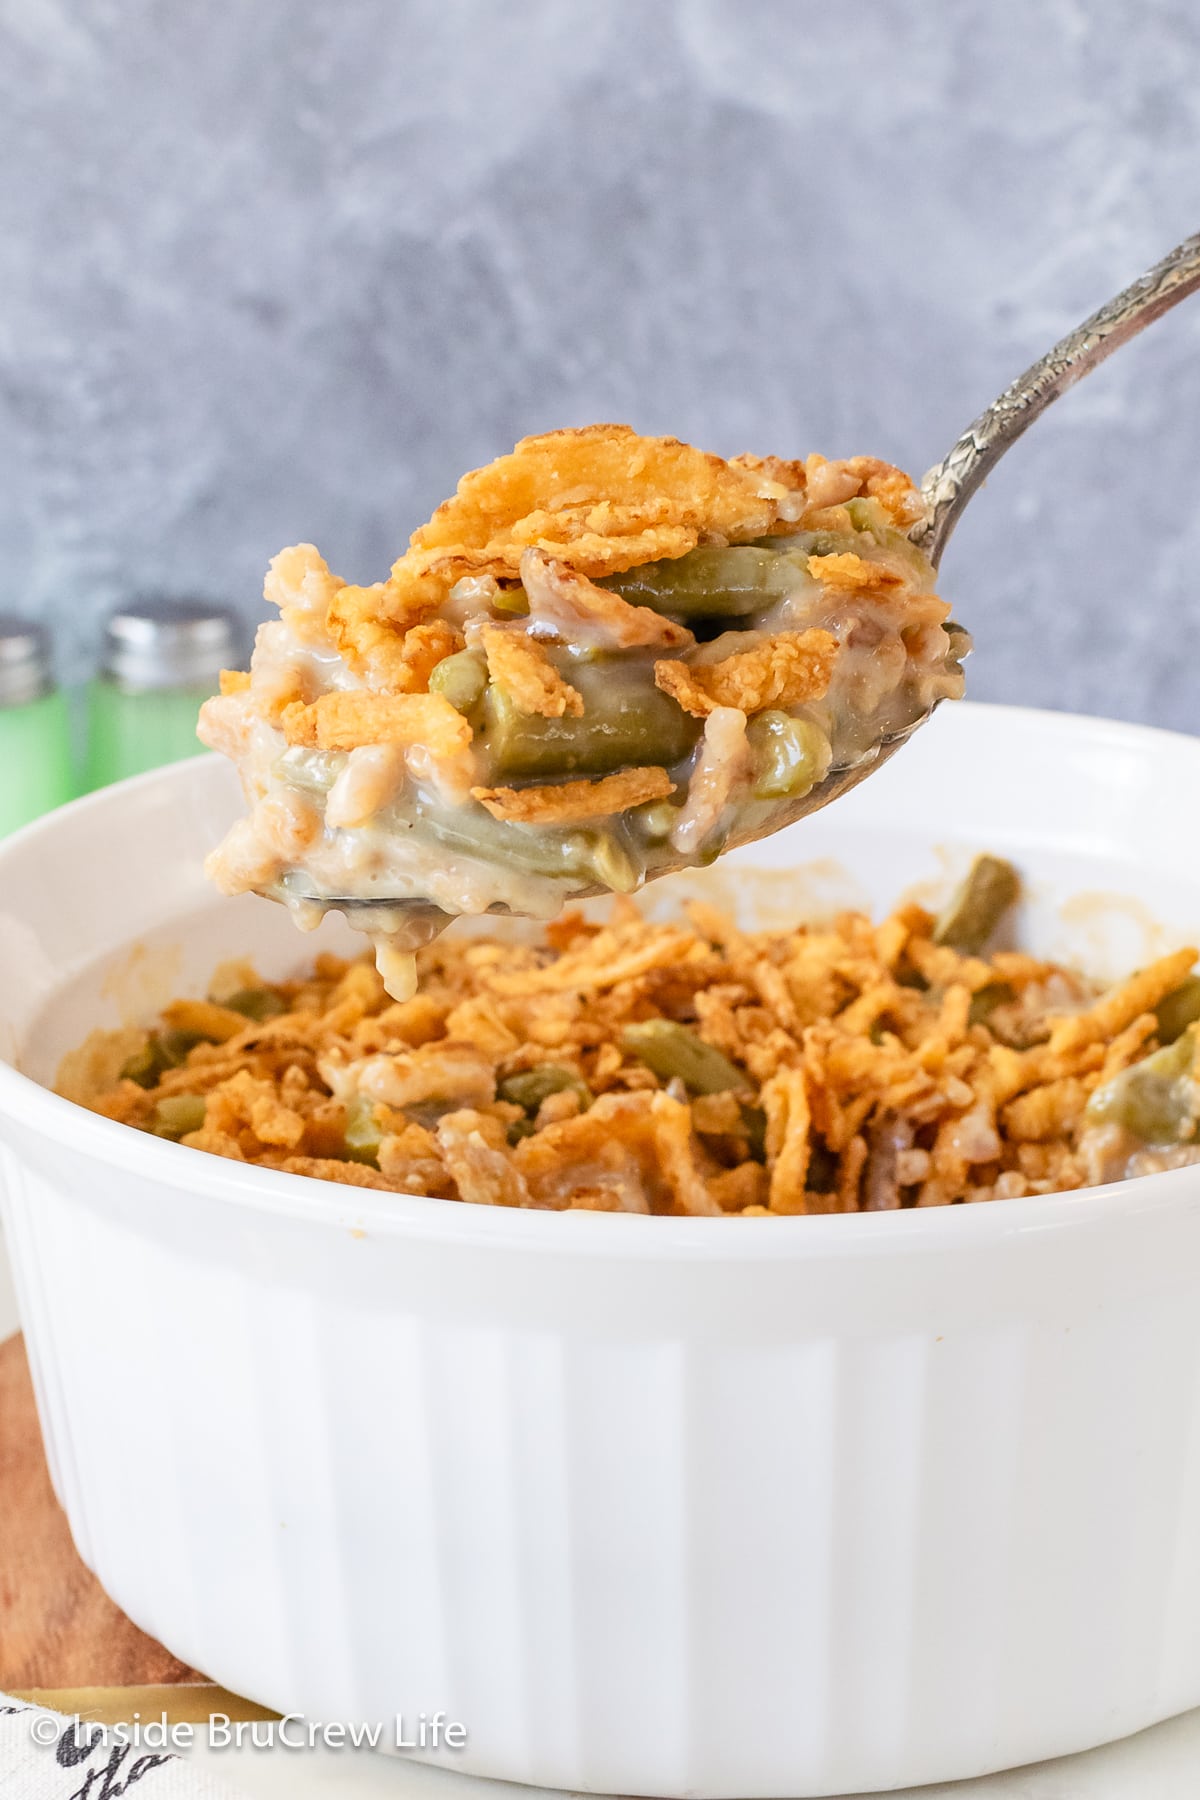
(608,656)
(685,1067)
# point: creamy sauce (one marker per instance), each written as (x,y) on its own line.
(392,835)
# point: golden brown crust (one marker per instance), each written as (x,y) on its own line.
(599,498)
(349,718)
(573,802)
(783,671)
(369,631)
(592,501)
(854,573)
(422,648)
(876,1091)
(520,668)
(893,489)
(562,600)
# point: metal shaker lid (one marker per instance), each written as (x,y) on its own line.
(24,661)
(169,643)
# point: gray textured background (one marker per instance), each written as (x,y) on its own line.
(283,270)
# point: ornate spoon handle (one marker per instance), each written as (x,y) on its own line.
(949,485)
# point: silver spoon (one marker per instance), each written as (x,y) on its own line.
(946,489)
(950,484)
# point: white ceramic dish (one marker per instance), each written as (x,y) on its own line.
(657,1506)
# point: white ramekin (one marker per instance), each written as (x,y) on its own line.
(657,1506)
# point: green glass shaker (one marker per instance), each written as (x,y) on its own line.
(160,662)
(35,748)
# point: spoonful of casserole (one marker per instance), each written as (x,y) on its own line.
(608,657)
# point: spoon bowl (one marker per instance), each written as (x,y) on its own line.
(420,922)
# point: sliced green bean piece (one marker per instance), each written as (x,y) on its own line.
(710,582)
(1156,1099)
(145,1065)
(529,1087)
(316,770)
(755,1121)
(520,1128)
(256,1003)
(790,755)
(162,1050)
(1178,1009)
(868,515)
(670,1049)
(818,543)
(177,1114)
(985,1000)
(657,819)
(363,1134)
(615,869)
(976,908)
(514,602)
(470,831)
(460,679)
(626,720)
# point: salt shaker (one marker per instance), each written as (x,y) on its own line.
(160,662)
(35,748)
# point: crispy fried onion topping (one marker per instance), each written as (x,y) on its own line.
(592,501)
(564,604)
(783,670)
(572,802)
(347,718)
(520,668)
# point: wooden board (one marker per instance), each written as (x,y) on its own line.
(58,1628)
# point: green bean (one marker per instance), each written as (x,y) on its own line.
(656,819)
(471,831)
(514,601)
(1156,1099)
(529,1087)
(1178,1009)
(460,679)
(790,755)
(755,1121)
(711,582)
(162,1050)
(177,1114)
(976,908)
(316,770)
(818,543)
(362,1134)
(670,1049)
(256,1003)
(867,515)
(626,719)
(144,1066)
(986,999)
(614,868)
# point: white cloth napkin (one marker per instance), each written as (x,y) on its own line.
(46,1756)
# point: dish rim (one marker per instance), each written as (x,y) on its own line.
(315,1201)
